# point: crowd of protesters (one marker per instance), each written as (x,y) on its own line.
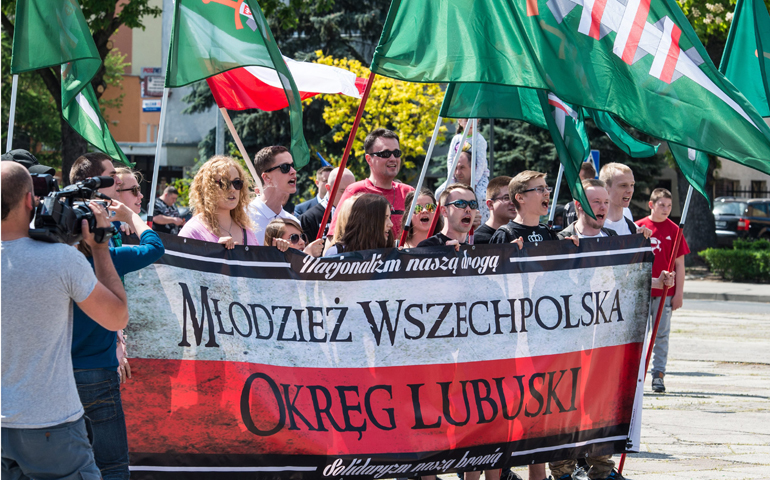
(52,382)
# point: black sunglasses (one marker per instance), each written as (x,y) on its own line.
(225,184)
(295,237)
(461,204)
(134,190)
(285,168)
(387,153)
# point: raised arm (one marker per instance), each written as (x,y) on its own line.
(107,305)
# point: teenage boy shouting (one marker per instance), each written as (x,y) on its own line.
(458,206)
(664,233)
(530,196)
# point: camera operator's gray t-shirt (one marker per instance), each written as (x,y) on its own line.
(39,282)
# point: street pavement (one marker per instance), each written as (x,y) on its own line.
(701,289)
(713,422)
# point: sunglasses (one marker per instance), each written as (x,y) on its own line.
(134,190)
(461,204)
(294,238)
(428,207)
(541,190)
(236,184)
(285,168)
(387,153)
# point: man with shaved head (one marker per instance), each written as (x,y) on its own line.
(43,429)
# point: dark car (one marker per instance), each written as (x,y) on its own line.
(741,218)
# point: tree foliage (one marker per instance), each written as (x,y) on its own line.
(104,17)
(406,108)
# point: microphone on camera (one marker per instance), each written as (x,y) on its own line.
(98,182)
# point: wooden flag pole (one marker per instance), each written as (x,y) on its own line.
(12,113)
(242,149)
(428,155)
(344,161)
(555,195)
(451,174)
(156,165)
(662,303)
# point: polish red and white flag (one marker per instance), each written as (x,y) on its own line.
(259,87)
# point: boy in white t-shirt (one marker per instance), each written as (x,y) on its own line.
(619,180)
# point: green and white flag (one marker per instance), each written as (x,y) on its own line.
(48,33)
(569,136)
(212,37)
(746,58)
(619,136)
(483,100)
(639,60)
(694,166)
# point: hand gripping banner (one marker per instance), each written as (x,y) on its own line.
(254,363)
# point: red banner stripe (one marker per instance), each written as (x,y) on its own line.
(188,406)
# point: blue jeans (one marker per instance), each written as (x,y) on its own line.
(59,452)
(660,349)
(99,392)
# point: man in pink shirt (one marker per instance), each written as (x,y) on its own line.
(384,159)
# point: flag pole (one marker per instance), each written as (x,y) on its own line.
(421,180)
(451,174)
(156,166)
(556,195)
(12,113)
(473,168)
(661,304)
(241,148)
(345,155)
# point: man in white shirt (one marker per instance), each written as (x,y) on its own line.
(619,180)
(279,181)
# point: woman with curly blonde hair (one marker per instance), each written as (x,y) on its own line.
(219,195)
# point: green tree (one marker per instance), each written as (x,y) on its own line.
(104,18)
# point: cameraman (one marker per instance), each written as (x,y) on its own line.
(98,164)
(43,430)
(94,356)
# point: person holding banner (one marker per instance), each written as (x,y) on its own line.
(284,233)
(530,195)
(501,210)
(587,171)
(275,166)
(384,158)
(620,184)
(219,194)
(369,227)
(457,207)
(422,218)
(664,233)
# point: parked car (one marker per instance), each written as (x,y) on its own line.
(741,218)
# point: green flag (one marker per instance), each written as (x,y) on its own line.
(482,100)
(694,166)
(49,33)
(624,140)
(639,60)
(569,136)
(746,58)
(212,37)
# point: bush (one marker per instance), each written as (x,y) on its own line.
(747,261)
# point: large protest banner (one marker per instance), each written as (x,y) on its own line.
(252,362)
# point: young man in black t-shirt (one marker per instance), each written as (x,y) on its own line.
(530,195)
(501,210)
(458,205)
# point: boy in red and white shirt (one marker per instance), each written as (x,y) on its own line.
(663,237)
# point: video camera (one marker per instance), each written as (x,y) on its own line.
(59,214)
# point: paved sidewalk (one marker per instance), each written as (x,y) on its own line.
(716,290)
